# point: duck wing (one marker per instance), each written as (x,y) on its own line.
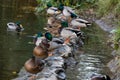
(54,8)
(83,21)
(57,40)
(76,31)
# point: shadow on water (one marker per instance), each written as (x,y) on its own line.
(15,49)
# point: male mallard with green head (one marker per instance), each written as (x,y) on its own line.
(52,10)
(66,11)
(38,38)
(78,22)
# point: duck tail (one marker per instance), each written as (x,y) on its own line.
(88,24)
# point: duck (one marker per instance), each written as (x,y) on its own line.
(76,36)
(50,21)
(78,22)
(66,31)
(66,11)
(38,38)
(101,77)
(15,26)
(58,45)
(33,66)
(63,49)
(52,10)
(53,28)
(41,51)
(53,41)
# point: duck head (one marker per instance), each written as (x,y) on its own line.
(19,27)
(64,24)
(61,7)
(48,36)
(103,77)
(39,34)
(73,15)
(49,5)
(18,23)
(32,67)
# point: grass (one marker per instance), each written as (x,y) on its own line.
(108,6)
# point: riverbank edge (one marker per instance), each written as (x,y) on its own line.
(114,64)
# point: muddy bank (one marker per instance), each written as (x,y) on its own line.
(107,24)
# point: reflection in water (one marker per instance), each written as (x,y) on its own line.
(15,50)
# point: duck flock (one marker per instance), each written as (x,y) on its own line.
(55,50)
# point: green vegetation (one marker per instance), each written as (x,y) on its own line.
(102,7)
(115,39)
(108,6)
(77,4)
(111,7)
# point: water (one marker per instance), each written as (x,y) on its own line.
(94,56)
(15,49)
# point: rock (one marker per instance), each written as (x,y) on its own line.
(114,66)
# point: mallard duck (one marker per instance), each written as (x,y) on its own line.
(53,42)
(50,21)
(65,31)
(15,26)
(76,36)
(41,50)
(61,49)
(66,12)
(38,38)
(52,10)
(80,23)
(33,66)
(56,43)
(101,77)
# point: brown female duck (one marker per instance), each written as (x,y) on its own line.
(33,66)
(41,51)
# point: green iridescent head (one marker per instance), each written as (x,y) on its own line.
(17,23)
(61,7)
(49,5)
(39,34)
(64,24)
(48,36)
(73,15)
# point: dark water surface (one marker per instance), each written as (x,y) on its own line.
(15,50)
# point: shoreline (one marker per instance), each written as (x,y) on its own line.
(113,64)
